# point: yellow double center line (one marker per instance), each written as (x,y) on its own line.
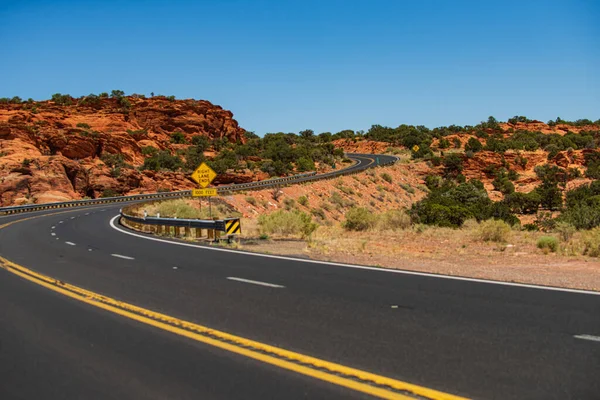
(362,381)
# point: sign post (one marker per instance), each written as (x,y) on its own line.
(204,175)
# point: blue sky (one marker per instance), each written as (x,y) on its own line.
(323,65)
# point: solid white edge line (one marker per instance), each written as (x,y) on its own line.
(363,267)
(588,337)
(233,278)
(70,243)
(123,257)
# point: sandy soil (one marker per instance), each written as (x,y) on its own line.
(443,251)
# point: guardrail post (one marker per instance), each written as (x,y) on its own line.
(211,234)
(198,232)
(188,232)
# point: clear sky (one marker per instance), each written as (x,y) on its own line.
(323,65)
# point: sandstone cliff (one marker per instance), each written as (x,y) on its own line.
(51,152)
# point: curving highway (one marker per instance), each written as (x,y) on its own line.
(127,315)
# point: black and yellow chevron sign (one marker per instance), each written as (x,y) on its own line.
(233,226)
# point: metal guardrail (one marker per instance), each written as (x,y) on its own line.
(218,225)
(270,183)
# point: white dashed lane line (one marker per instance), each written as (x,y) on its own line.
(53,234)
(588,337)
(233,278)
(123,257)
(70,243)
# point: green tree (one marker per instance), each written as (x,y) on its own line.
(305,164)
(162,160)
(201,142)
(117,94)
(473,145)
(178,138)
(452,164)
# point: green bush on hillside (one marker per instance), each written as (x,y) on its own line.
(287,223)
(162,160)
(359,219)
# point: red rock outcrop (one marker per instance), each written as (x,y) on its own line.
(51,152)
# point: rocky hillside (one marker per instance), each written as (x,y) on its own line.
(68,148)
(514,146)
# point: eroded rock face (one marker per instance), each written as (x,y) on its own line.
(51,152)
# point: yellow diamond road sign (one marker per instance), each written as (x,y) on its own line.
(204,175)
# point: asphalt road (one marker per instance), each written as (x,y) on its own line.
(473,339)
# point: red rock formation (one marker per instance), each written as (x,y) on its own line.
(52,152)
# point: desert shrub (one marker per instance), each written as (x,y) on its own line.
(582,216)
(512,175)
(359,219)
(337,199)
(444,143)
(518,118)
(149,150)
(178,209)
(162,160)
(62,99)
(393,220)
(494,231)
(113,160)
(251,200)
(565,230)
(318,212)
(305,164)
(436,161)
(386,177)
(530,227)
(574,173)
(592,162)
(193,157)
(473,145)
(550,195)
(548,243)
(433,182)
(125,103)
(521,161)
(452,164)
(117,94)
(303,200)
(177,138)
(591,242)
(83,125)
(138,134)
(287,223)
(115,172)
(201,142)
(552,150)
(449,205)
(545,222)
(456,143)
(523,203)
(407,188)
(109,193)
(503,185)
(289,204)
